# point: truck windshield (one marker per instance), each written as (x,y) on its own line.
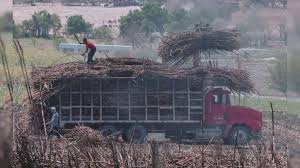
(219,99)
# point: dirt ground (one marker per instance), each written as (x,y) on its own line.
(96,15)
(6,5)
(286,128)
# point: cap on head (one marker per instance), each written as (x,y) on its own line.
(53,109)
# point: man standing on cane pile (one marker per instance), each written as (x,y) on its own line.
(89,46)
(54,127)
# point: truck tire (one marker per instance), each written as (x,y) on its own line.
(136,134)
(108,130)
(243,135)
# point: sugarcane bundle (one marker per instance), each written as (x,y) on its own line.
(179,47)
(49,77)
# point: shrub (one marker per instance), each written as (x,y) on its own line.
(6,22)
(103,33)
(76,24)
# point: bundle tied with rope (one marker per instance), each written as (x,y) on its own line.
(180,47)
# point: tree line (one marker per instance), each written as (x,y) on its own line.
(151,18)
(45,25)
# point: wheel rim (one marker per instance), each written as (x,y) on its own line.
(136,134)
(241,136)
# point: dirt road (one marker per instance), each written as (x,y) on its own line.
(94,14)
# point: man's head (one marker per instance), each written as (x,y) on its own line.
(53,110)
(85,40)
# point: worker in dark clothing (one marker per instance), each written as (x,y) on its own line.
(54,124)
(89,46)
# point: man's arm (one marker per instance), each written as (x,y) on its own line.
(50,121)
(85,51)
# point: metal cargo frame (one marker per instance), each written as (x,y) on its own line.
(192,110)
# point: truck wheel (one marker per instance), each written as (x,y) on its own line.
(239,134)
(108,130)
(136,134)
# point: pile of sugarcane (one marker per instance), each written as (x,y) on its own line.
(36,151)
(180,47)
(49,77)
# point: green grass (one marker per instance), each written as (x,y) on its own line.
(263,104)
(37,52)
(19,93)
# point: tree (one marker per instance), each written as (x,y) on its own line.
(27,28)
(18,31)
(294,70)
(279,76)
(155,14)
(266,3)
(56,23)
(41,24)
(103,33)
(133,34)
(6,22)
(76,24)
(151,18)
(253,30)
(179,21)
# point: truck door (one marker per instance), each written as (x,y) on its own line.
(215,106)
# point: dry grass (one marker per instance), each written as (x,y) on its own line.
(5,140)
(84,147)
(37,52)
(179,47)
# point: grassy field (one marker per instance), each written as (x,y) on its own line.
(37,52)
(263,104)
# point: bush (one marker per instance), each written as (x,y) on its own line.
(6,22)
(294,71)
(39,25)
(179,21)
(17,31)
(103,34)
(279,76)
(138,23)
(76,24)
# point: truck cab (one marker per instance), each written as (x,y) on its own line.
(234,120)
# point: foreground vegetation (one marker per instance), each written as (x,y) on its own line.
(84,147)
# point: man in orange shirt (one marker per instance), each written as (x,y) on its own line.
(89,46)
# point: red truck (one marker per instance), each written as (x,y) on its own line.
(180,109)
